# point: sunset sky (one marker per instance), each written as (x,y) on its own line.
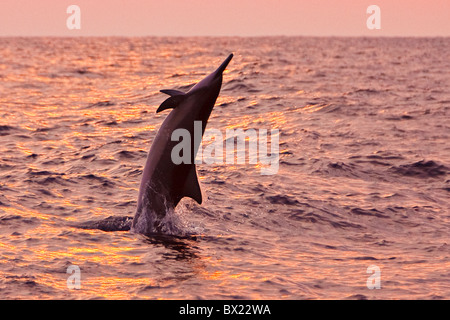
(224,18)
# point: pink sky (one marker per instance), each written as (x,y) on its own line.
(225,17)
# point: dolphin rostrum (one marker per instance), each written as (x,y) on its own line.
(164,183)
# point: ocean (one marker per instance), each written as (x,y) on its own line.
(358,207)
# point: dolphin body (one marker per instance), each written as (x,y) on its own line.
(163,182)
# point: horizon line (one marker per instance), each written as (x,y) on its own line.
(225,36)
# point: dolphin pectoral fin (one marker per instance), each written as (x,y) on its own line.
(192,187)
(171,102)
(172,92)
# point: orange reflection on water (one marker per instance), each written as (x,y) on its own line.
(271,120)
(24,149)
(25,212)
(314,107)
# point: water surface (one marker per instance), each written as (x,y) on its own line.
(363,177)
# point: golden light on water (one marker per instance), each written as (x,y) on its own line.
(315,107)
(351,190)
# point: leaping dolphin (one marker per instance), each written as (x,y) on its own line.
(163,182)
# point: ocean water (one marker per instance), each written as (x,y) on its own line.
(363,178)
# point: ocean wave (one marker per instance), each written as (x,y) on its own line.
(421,169)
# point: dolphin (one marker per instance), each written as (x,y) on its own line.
(164,183)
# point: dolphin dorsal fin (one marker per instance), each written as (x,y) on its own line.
(176,97)
(191,187)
